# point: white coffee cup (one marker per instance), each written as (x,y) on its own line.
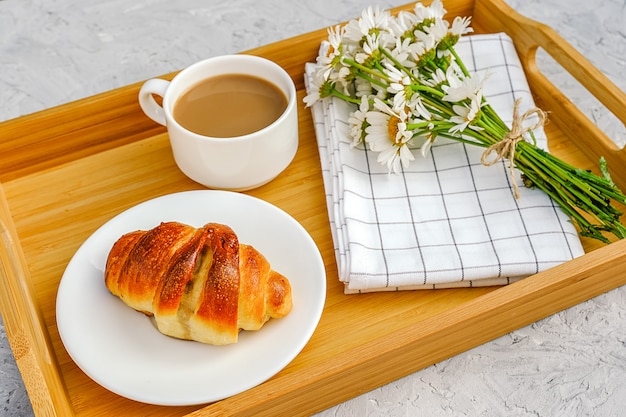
(235,163)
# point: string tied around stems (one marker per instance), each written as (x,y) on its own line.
(505,148)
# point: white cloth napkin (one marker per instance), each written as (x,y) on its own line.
(447,220)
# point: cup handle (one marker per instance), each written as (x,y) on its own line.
(147,102)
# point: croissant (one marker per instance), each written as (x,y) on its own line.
(199,284)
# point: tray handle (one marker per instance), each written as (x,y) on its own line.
(529,35)
(25,326)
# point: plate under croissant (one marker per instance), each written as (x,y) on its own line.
(123,351)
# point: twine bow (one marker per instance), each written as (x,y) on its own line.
(505,148)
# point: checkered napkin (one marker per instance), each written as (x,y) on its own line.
(447,220)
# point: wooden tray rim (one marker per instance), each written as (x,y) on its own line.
(574,281)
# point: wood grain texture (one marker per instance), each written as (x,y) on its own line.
(67,170)
(27,335)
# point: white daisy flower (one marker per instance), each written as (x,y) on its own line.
(460,89)
(394,157)
(465,115)
(387,133)
(358,122)
(341,78)
(430,139)
(438,30)
(417,108)
(402,51)
(317,83)
(425,44)
(371,21)
(434,11)
(437,78)
(370,49)
(330,53)
(461,26)
(399,86)
(335,35)
(403,24)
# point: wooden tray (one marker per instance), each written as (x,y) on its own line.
(67,170)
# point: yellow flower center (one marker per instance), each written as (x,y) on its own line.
(392,129)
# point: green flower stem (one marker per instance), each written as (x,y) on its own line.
(567,174)
(344,97)
(563,183)
(440,108)
(492,123)
(365,69)
(584,225)
(427,89)
(366,77)
(458,61)
(426,126)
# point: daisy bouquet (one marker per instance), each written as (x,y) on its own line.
(410,87)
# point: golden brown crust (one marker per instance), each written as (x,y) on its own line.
(254,268)
(117,258)
(142,259)
(200,284)
(217,309)
(169,291)
(278,293)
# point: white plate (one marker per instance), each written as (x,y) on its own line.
(123,351)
